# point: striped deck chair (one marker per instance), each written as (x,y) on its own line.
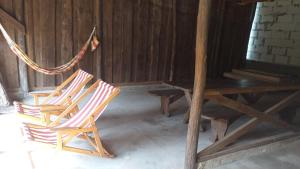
(82,124)
(56,101)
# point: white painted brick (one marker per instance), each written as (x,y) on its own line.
(268,4)
(254,34)
(254,56)
(280,35)
(267,18)
(264,34)
(281,59)
(293,52)
(284,2)
(296,2)
(279,42)
(265,11)
(296,18)
(258,42)
(280,27)
(259,5)
(279,51)
(294,10)
(267,58)
(251,40)
(261,26)
(295,61)
(285,18)
(296,36)
(280,10)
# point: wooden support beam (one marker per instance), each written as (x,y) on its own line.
(246,127)
(257,76)
(245,109)
(199,85)
(18,25)
(251,144)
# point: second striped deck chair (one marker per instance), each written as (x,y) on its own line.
(81,124)
(56,101)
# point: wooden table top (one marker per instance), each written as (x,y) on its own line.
(230,86)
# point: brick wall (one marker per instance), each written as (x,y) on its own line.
(275,34)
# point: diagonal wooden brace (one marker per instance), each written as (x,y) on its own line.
(242,108)
(242,130)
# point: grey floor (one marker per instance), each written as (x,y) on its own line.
(141,137)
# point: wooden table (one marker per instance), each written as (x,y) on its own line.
(216,91)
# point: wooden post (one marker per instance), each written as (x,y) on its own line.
(199,85)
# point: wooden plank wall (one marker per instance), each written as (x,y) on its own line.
(137,38)
(8,61)
(229,31)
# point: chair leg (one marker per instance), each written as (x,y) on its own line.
(102,151)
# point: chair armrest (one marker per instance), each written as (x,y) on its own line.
(44,94)
(51,108)
(36,96)
(40,94)
(72,129)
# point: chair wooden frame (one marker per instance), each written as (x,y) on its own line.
(81,132)
(58,90)
(47,110)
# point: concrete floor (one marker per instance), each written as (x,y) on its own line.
(141,137)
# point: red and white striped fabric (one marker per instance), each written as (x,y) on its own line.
(26,109)
(46,135)
(81,77)
(60,100)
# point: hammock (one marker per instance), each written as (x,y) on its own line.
(50,71)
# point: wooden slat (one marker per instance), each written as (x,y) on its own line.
(154,31)
(242,108)
(249,145)
(20,39)
(28,7)
(82,26)
(257,76)
(64,36)
(117,40)
(16,23)
(98,9)
(246,127)
(47,39)
(141,42)
(127,40)
(9,61)
(107,40)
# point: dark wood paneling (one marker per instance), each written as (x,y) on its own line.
(8,61)
(137,38)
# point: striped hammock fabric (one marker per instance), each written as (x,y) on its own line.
(80,119)
(49,71)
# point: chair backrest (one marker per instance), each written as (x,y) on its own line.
(77,83)
(95,106)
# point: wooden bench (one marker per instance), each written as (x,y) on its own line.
(168,96)
(220,122)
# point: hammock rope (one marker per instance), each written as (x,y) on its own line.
(55,70)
